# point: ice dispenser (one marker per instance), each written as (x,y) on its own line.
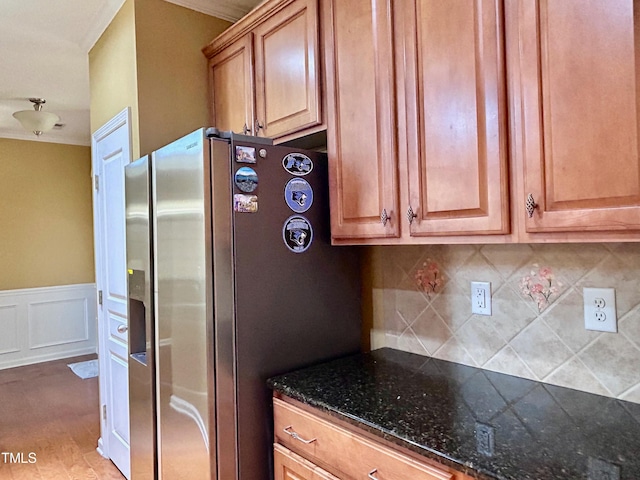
(137,316)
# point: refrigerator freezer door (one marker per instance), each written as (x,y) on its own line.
(140,314)
(183,301)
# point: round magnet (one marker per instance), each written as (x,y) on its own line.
(297,164)
(246,179)
(297,234)
(298,194)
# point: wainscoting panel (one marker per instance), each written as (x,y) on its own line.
(47,323)
(58,322)
(9,328)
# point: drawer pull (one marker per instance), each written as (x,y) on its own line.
(375,470)
(288,430)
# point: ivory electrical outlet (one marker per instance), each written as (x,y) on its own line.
(600,309)
(481,298)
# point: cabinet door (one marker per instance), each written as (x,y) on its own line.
(579,132)
(289,466)
(361,120)
(456,109)
(287,70)
(231,77)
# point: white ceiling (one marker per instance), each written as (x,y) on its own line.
(43,53)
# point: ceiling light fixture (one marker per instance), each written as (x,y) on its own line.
(36,120)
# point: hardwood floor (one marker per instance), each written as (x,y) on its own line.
(49,424)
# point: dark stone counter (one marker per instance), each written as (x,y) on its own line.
(485,424)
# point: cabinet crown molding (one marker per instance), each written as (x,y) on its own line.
(244,25)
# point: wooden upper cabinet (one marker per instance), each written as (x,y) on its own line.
(578,130)
(265,72)
(287,70)
(456,117)
(231,79)
(361,120)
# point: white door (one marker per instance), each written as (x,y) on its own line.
(111,151)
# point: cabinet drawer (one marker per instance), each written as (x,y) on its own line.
(289,466)
(345,453)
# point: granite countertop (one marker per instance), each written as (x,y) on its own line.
(485,424)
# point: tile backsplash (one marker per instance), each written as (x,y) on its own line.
(548,344)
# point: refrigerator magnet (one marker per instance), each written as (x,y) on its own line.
(245,154)
(298,194)
(297,164)
(246,179)
(297,234)
(245,203)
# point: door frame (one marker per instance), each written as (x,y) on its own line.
(123,118)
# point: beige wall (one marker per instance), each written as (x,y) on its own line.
(549,345)
(112,73)
(150,59)
(172,71)
(46,237)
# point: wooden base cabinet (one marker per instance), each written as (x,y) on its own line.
(265,72)
(289,466)
(329,449)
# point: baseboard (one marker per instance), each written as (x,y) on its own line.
(47,323)
(100,449)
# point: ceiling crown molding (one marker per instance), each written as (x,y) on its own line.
(46,138)
(99,23)
(223,9)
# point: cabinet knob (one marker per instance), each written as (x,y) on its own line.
(246,130)
(530,205)
(122,329)
(371,474)
(411,215)
(259,125)
(384,217)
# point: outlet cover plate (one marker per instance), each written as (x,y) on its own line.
(481,298)
(600,309)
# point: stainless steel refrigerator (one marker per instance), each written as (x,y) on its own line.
(232,279)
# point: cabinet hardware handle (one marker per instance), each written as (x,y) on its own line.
(122,329)
(371,474)
(411,215)
(288,430)
(259,125)
(246,130)
(384,217)
(530,205)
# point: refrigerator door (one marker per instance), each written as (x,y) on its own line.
(181,224)
(297,298)
(141,330)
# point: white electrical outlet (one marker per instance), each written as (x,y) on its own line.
(600,309)
(481,298)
